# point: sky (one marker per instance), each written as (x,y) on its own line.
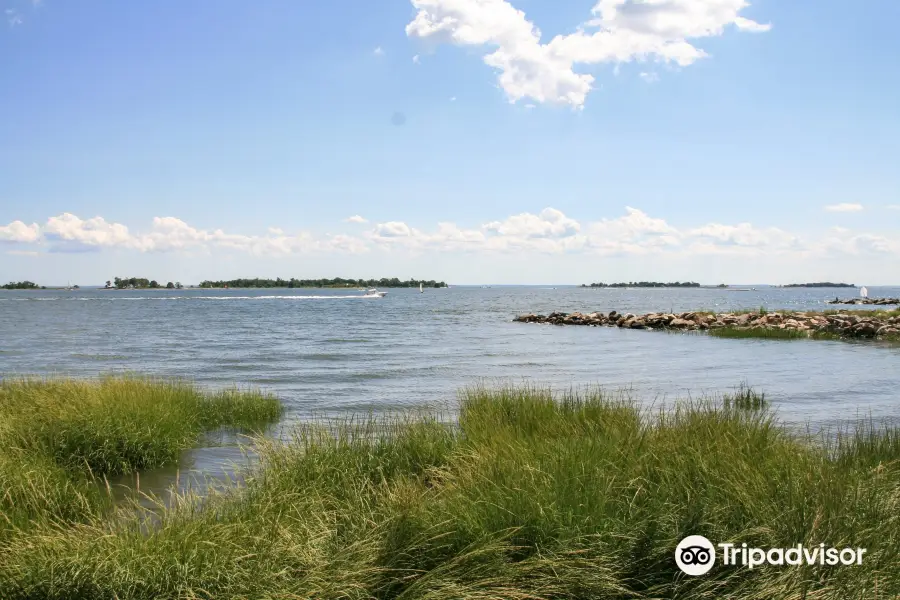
(470,141)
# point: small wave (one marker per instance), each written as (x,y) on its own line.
(99,356)
(326,357)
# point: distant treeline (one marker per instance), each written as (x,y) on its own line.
(643,284)
(321,283)
(820,284)
(21,285)
(140,283)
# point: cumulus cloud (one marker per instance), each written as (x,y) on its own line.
(845,242)
(649,77)
(745,234)
(357,219)
(550,231)
(379,51)
(96,232)
(17,231)
(549,223)
(844,207)
(620,31)
(393,229)
(633,225)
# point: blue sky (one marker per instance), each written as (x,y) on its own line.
(711,140)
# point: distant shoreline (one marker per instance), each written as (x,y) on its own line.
(321,287)
(822,284)
(644,284)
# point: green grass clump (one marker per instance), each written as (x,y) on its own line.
(872,313)
(766,333)
(60,438)
(762,333)
(526,495)
(745,398)
(118,425)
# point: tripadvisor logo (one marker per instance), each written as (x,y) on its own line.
(696,555)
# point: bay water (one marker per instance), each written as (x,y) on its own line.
(328,351)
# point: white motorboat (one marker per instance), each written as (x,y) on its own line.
(374,293)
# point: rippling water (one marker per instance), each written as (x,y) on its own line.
(327,350)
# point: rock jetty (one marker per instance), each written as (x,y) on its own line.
(876,301)
(842,325)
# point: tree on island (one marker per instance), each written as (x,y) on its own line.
(21,285)
(322,283)
(820,284)
(643,284)
(170,286)
(135,282)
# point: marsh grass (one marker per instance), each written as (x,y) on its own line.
(871,313)
(528,494)
(61,438)
(745,397)
(762,333)
(117,425)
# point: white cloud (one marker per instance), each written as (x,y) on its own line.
(649,77)
(357,219)
(23,252)
(550,223)
(393,229)
(636,223)
(744,234)
(622,31)
(633,233)
(845,243)
(452,98)
(416,59)
(893,206)
(17,231)
(844,207)
(752,26)
(379,51)
(92,232)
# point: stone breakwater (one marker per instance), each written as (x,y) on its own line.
(842,325)
(876,301)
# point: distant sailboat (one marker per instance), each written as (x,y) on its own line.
(421,291)
(863,292)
